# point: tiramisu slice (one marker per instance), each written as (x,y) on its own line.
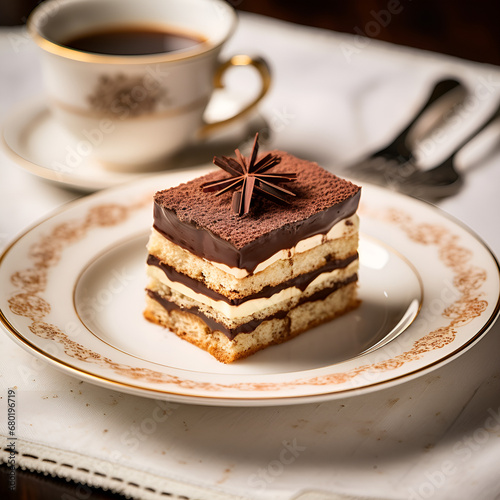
(233,270)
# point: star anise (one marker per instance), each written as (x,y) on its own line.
(250,175)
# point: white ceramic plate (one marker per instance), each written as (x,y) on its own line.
(72,292)
(37,143)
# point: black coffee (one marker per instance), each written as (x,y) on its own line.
(132,41)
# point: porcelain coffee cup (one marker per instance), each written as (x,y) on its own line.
(132,110)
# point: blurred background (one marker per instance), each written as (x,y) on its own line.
(463,28)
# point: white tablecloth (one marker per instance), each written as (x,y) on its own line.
(335,97)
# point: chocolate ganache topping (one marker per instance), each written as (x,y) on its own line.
(202,224)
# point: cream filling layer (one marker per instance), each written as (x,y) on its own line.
(339,230)
(342,229)
(250,307)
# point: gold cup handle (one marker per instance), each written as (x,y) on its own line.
(239,60)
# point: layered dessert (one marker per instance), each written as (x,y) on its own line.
(254,255)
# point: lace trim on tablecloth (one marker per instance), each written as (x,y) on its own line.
(88,470)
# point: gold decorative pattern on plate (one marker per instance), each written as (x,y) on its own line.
(31,282)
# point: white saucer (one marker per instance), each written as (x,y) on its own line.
(36,142)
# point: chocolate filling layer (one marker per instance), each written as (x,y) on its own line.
(301,282)
(207,245)
(249,327)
